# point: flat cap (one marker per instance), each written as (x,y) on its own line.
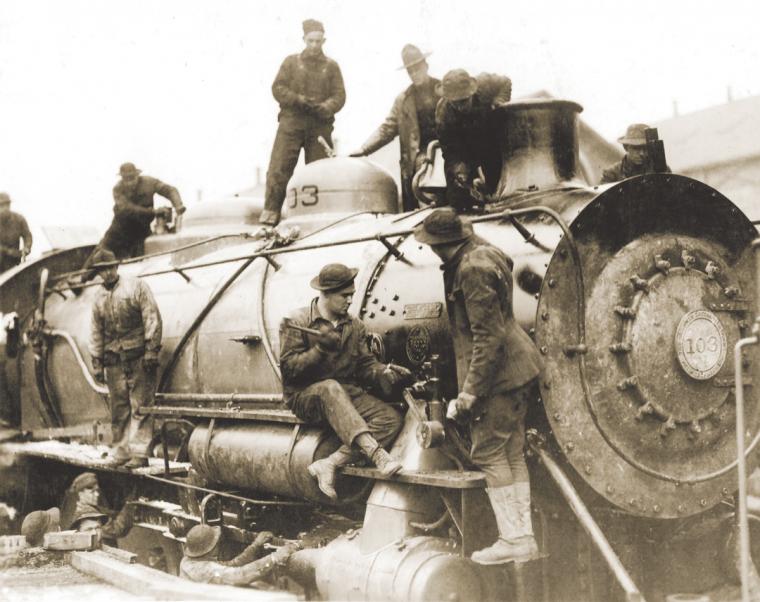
(312,25)
(86,480)
(334,277)
(443,226)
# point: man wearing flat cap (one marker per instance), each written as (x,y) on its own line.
(636,161)
(133,212)
(13,228)
(497,368)
(309,88)
(83,509)
(467,128)
(412,119)
(125,339)
(324,377)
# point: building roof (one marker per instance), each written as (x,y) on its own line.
(720,134)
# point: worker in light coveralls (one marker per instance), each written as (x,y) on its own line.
(201,561)
(125,339)
(324,378)
(497,369)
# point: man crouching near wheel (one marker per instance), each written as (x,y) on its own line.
(324,373)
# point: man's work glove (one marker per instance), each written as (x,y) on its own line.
(98,372)
(263,538)
(460,409)
(398,374)
(281,556)
(329,339)
(150,362)
(359,152)
(323,111)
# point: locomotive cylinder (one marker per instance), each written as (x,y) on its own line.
(270,458)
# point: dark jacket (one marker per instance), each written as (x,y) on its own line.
(133,210)
(625,169)
(309,87)
(493,353)
(403,122)
(303,364)
(13,227)
(125,321)
(470,139)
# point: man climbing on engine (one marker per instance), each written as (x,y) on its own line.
(324,374)
(133,212)
(412,119)
(497,369)
(467,130)
(13,229)
(125,339)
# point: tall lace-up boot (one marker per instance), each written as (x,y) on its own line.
(380,458)
(324,470)
(511,506)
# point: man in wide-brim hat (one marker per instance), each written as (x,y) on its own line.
(636,160)
(324,377)
(468,132)
(497,370)
(411,118)
(13,229)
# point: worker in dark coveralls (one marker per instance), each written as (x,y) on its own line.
(125,340)
(309,88)
(13,228)
(133,212)
(323,378)
(412,119)
(636,161)
(497,368)
(469,134)
(201,560)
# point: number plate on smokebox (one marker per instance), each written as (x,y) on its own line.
(701,344)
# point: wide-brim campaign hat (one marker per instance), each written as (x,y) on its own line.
(443,226)
(457,85)
(635,135)
(411,55)
(103,256)
(334,277)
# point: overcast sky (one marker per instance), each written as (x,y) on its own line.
(182,87)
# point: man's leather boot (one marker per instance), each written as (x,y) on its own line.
(511,506)
(380,458)
(269,218)
(324,470)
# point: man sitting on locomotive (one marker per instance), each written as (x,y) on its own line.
(323,374)
(497,369)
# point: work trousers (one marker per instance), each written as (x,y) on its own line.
(498,436)
(349,410)
(130,388)
(292,136)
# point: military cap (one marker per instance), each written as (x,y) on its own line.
(86,480)
(103,256)
(37,523)
(5,198)
(334,277)
(635,135)
(411,55)
(201,539)
(443,226)
(312,25)
(128,169)
(457,85)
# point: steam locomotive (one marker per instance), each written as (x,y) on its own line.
(635,294)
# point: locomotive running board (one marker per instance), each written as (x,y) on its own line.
(446,479)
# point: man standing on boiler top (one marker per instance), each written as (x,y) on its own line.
(324,373)
(412,119)
(125,339)
(309,88)
(497,370)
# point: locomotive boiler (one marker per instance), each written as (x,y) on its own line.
(635,294)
